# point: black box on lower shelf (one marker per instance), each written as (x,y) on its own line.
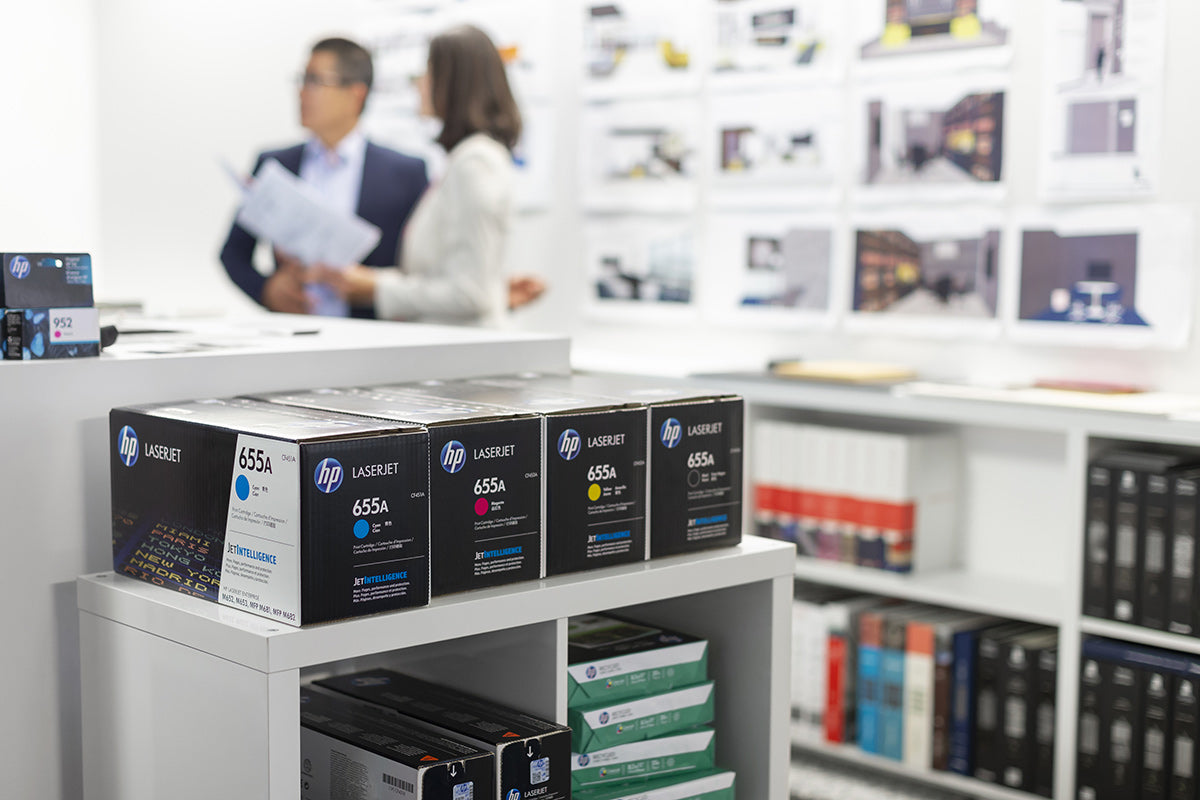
(532,756)
(349,750)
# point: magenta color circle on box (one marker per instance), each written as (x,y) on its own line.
(481,506)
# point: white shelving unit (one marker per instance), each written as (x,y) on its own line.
(1021,516)
(57,522)
(183,698)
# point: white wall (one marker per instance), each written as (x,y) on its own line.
(182,86)
(48,201)
(48,160)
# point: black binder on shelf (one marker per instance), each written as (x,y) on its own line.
(1091,735)
(1185,731)
(989,697)
(1017,739)
(1153,544)
(1156,750)
(1131,476)
(1097,569)
(1046,686)
(1182,606)
(1120,713)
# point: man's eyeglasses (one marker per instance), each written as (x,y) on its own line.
(310,80)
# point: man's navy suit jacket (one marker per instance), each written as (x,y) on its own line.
(392,183)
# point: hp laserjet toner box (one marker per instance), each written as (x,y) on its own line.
(611,659)
(28,334)
(695,453)
(653,759)
(485,482)
(45,280)
(297,515)
(594,468)
(348,750)
(532,756)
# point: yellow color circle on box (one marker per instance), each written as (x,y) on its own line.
(594,492)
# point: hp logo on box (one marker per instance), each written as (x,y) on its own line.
(328,476)
(19,267)
(513,794)
(671,432)
(569,444)
(454,455)
(127,446)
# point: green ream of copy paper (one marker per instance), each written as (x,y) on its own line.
(655,758)
(609,724)
(611,659)
(709,785)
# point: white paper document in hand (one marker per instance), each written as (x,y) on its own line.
(280,207)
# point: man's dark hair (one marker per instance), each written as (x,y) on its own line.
(469,88)
(353,60)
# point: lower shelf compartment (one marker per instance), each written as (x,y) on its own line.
(959,784)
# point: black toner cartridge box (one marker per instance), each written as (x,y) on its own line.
(695,450)
(45,280)
(485,482)
(294,514)
(351,750)
(28,334)
(533,757)
(594,469)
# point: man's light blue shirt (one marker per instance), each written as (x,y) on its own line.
(337,173)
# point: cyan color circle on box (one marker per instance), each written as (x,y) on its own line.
(362,528)
(242,487)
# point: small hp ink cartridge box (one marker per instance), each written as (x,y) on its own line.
(350,750)
(533,756)
(46,280)
(28,334)
(485,482)
(293,514)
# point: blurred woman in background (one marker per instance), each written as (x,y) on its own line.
(451,261)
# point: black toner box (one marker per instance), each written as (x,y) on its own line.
(45,280)
(533,757)
(485,482)
(28,334)
(299,515)
(594,468)
(695,451)
(350,750)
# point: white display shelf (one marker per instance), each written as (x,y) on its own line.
(1025,600)
(217,681)
(1139,635)
(1174,420)
(57,491)
(851,755)
(1021,507)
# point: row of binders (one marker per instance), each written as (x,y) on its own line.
(1140,556)
(1139,721)
(933,688)
(876,499)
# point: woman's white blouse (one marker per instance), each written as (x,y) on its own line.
(452,251)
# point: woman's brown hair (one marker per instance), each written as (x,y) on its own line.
(469,88)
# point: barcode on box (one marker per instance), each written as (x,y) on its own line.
(404,786)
